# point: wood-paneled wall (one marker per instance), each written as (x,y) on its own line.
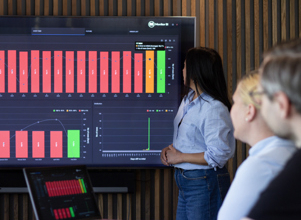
(240,30)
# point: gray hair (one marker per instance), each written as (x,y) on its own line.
(281,71)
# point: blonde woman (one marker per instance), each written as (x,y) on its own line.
(267,156)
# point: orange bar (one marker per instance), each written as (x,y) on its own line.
(149,72)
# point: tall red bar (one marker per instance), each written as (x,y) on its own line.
(58,72)
(127,70)
(4,144)
(2,71)
(38,144)
(56,144)
(138,69)
(21,144)
(23,72)
(46,72)
(35,71)
(81,71)
(104,72)
(115,72)
(69,71)
(92,71)
(12,75)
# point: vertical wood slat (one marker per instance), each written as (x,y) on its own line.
(248,35)
(167,185)
(184,7)
(2,7)
(157,7)
(202,24)
(92,7)
(256,33)
(147,7)
(175,8)
(157,196)
(19,7)
(283,20)
(73,7)
(238,67)
(192,8)
(292,19)
(138,195)
(299,18)
(166,5)
(129,8)
(211,24)
(46,7)
(55,7)
(111,8)
(220,28)
(101,7)
(274,23)
(265,25)
(138,7)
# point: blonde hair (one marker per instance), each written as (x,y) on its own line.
(248,83)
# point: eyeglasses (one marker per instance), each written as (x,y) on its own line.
(256,95)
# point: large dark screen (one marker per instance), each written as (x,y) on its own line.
(100,91)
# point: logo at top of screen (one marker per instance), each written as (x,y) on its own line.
(151,24)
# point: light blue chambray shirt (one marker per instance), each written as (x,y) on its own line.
(206,127)
(266,159)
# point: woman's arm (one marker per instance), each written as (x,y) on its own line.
(174,156)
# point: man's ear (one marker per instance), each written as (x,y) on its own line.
(284,104)
(251,112)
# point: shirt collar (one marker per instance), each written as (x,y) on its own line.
(261,145)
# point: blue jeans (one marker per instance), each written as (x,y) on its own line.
(201,193)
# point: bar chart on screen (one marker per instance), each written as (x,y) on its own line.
(45,71)
(44,131)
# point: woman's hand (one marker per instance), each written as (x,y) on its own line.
(173,156)
(163,155)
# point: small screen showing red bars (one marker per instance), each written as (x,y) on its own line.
(65,187)
(63,213)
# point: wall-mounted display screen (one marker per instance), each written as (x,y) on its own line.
(99,91)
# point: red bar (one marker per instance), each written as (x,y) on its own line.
(46,72)
(4,144)
(64,213)
(81,71)
(138,81)
(77,186)
(104,72)
(71,186)
(21,144)
(69,71)
(58,71)
(38,144)
(92,72)
(60,213)
(47,188)
(115,72)
(56,144)
(68,212)
(54,187)
(12,77)
(60,188)
(127,69)
(56,215)
(35,71)
(2,71)
(23,72)
(57,191)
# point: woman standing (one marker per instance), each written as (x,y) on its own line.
(203,137)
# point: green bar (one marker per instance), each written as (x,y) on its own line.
(71,212)
(73,143)
(84,187)
(161,71)
(148,134)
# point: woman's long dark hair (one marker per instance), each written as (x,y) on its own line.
(204,68)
